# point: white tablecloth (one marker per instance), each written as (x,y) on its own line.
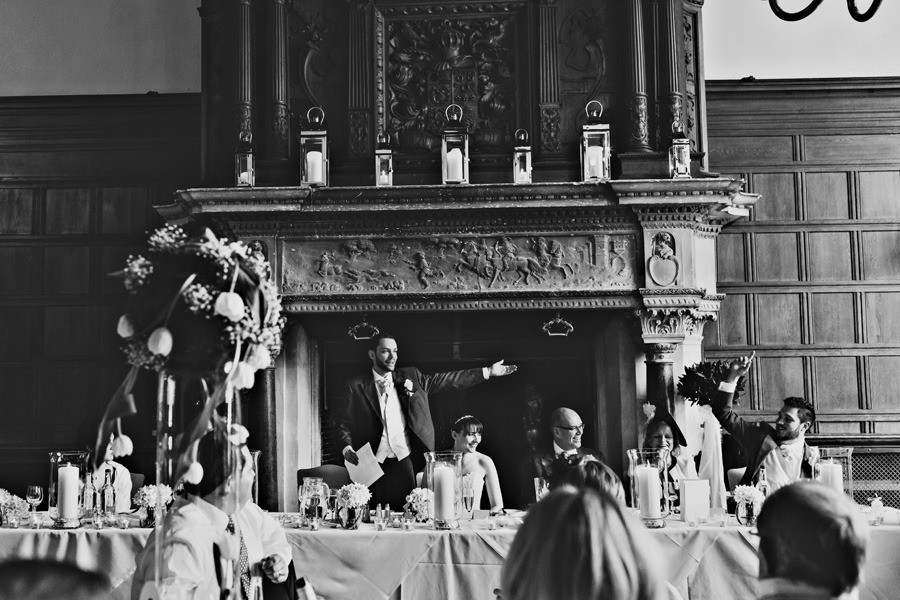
(704,563)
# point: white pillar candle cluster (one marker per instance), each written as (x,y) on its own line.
(649,491)
(832,474)
(444,492)
(454,165)
(67,500)
(314,167)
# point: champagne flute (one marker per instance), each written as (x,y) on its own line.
(34,496)
(469,503)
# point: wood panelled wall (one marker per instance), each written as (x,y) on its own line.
(813,278)
(78,180)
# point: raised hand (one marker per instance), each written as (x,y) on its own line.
(740,366)
(498,369)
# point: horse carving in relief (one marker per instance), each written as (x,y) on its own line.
(552,257)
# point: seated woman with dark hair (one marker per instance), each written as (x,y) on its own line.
(662,432)
(477,467)
(586,472)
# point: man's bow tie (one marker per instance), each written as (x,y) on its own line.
(385,382)
(786,452)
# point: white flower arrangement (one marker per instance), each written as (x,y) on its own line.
(419,503)
(354,494)
(12,503)
(746,494)
(146,497)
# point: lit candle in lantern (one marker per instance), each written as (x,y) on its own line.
(649,491)
(594,155)
(68,492)
(383,175)
(832,474)
(314,166)
(244,178)
(454,165)
(444,492)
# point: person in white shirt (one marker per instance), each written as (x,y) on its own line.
(781,448)
(477,469)
(120,478)
(388,408)
(213,524)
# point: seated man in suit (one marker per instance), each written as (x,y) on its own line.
(213,522)
(782,449)
(388,408)
(812,544)
(566,428)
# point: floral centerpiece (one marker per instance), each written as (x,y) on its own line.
(748,500)
(420,503)
(701,382)
(353,499)
(148,499)
(10,503)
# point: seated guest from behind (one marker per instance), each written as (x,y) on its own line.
(567,429)
(579,544)
(587,472)
(477,467)
(781,449)
(812,544)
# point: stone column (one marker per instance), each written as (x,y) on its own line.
(243,74)
(660,378)
(548,77)
(274,163)
(360,81)
(672,71)
(262,427)
(639,139)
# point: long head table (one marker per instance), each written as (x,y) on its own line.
(703,563)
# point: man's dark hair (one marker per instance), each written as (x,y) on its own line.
(219,458)
(811,533)
(804,409)
(381,336)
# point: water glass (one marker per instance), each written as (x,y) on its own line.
(314,523)
(719,516)
(12,519)
(36,520)
(492,522)
(98,519)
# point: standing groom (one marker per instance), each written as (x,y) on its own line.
(388,408)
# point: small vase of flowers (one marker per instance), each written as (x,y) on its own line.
(420,503)
(748,500)
(152,500)
(353,499)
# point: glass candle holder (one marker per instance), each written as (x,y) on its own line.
(650,480)
(443,476)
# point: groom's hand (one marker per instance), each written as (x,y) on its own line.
(498,369)
(350,455)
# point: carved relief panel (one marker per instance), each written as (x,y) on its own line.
(457,264)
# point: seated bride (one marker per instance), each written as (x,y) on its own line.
(477,468)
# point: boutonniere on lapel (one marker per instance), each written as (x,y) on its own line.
(408,387)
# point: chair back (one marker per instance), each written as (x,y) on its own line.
(333,475)
(734,477)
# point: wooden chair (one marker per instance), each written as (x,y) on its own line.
(734,477)
(333,475)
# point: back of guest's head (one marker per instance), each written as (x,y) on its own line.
(805,410)
(580,545)
(467,424)
(586,472)
(47,580)
(219,458)
(813,534)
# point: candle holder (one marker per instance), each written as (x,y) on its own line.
(384,161)
(595,145)
(455,147)
(650,481)
(443,476)
(244,172)
(835,468)
(679,155)
(64,493)
(522,158)
(314,149)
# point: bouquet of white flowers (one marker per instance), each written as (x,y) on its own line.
(744,494)
(146,497)
(11,503)
(354,494)
(419,503)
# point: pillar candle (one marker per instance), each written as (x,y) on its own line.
(244,178)
(649,491)
(454,165)
(314,167)
(594,157)
(832,474)
(68,492)
(444,492)
(383,174)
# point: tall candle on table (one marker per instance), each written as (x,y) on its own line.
(68,492)
(314,166)
(444,492)
(454,165)
(832,474)
(649,491)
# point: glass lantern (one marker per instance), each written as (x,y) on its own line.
(679,155)
(67,474)
(522,158)
(455,147)
(384,161)
(443,476)
(314,149)
(595,145)
(834,468)
(244,173)
(650,485)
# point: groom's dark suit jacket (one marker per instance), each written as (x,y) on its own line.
(358,417)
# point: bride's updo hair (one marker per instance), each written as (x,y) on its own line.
(467,424)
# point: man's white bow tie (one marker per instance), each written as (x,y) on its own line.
(385,382)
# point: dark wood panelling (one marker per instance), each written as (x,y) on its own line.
(78,180)
(824,245)
(730,257)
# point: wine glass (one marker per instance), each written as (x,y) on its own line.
(34,496)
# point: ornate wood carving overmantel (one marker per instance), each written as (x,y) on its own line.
(640,244)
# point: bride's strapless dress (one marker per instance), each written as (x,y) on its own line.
(477,479)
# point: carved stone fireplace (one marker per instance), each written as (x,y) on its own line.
(465,275)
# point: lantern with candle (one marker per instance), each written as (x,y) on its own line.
(649,471)
(679,155)
(67,473)
(443,476)
(244,174)
(314,149)
(384,161)
(455,147)
(834,468)
(522,158)
(595,145)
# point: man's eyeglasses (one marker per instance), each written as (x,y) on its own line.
(576,428)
